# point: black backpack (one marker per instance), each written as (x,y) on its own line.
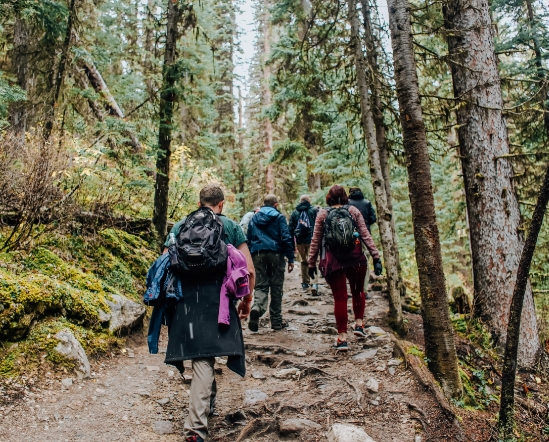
(303,228)
(199,245)
(339,231)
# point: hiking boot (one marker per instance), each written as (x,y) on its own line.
(305,286)
(341,345)
(314,290)
(359,331)
(280,326)
(253,324)
(194,438)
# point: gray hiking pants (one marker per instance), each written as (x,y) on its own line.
(202,397)
(269,275)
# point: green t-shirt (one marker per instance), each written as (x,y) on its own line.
(233,232)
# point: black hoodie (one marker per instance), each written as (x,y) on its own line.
(364,206)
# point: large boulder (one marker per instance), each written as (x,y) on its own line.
(71,349)
(347,433)
(124,313)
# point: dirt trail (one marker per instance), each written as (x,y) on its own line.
(135,397)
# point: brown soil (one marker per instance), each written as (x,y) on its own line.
(127,396)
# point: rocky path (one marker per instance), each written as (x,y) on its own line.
(296,389)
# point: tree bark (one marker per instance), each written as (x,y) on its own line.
(381,138)
(168,97)
(492,204)
(20,61)
(507,403)
(440,347)
(506,413)
(384,215)
(267,100)
(111,106)
(51,109)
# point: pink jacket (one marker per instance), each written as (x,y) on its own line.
(236,283)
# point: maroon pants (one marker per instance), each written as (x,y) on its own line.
(338,284)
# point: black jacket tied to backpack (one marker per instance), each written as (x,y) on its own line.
(364,206)
(301,234)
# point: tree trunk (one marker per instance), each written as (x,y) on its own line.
(168,97)
(100,87)
(539,64)
(150,48)
(507,403)
(377,108)
(492,204)
(51,109)
(384,215)
(20,61)
(506,413)
(267,101)
(240,153)
(440,347)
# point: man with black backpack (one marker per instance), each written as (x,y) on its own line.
(200,249)
(302,222)
(269,241)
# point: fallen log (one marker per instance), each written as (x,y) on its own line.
(425,378)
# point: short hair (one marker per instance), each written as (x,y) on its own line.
(270,200)
(354,189)
(337,195)
(211,195)
(305,198)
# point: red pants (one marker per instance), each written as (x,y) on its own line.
(338,284)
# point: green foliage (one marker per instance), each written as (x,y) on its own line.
(8,94)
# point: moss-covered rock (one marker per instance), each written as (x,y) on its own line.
(68,281)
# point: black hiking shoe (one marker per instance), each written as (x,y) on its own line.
(280,326)
(359,331)
(314,290)
(341,346)
(253,325)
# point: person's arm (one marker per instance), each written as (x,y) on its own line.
(245,304)
(363,231)
(372,214)
(293,223)
(316,241)
(286,238)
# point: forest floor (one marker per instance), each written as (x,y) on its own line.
(291,374)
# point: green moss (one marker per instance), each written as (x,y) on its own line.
(37,349)
(65,281)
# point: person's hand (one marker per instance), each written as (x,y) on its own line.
(290,267)
(378,268)
(312,272)
(244,307)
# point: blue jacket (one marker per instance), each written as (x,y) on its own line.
(163,289)
(268,232)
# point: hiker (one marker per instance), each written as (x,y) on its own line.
(246,220)
(338,236)
(199,329)
(269,241)
(302,222)
(357,199)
